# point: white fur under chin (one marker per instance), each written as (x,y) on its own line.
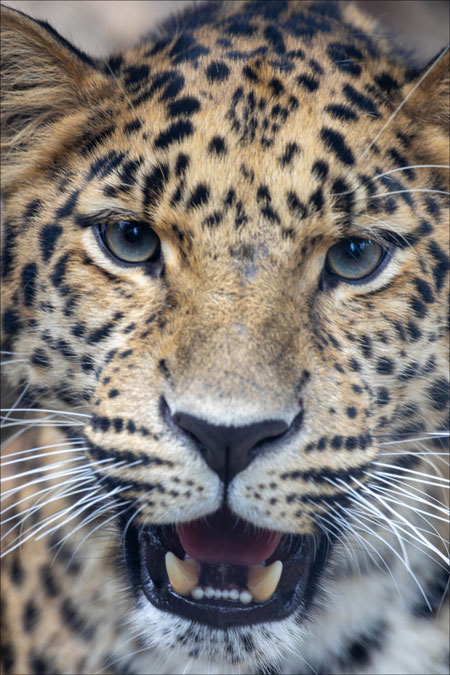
(219,651)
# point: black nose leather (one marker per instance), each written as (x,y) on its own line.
(228,450)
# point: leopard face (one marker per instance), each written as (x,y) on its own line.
(227,249)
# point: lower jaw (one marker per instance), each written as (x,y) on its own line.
(303,558)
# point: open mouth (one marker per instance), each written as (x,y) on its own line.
(222,571)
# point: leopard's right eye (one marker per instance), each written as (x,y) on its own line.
(129,241)
(355,260)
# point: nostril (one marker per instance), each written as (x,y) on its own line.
(227,450)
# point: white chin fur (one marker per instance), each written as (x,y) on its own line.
(203,650)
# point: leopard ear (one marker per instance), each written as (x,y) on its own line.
(427,107)
(44,79)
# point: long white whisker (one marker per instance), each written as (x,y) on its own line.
(440,479)
(66,413)
(375,534)
(66,483)
(69,443)
(435,482)
(438,505)
(413,166)
(14,407)
(60,474)
(406,522)
(45,468)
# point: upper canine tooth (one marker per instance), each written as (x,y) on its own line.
(183,574)
(262,581)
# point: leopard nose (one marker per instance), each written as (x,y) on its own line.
(229,450)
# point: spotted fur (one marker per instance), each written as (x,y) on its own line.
(252,137)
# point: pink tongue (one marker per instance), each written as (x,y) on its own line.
(223,538)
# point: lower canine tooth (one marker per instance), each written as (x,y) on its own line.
(262,581)
(183,574)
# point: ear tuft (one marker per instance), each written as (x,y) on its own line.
(44,78)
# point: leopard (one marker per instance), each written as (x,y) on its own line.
(224,313)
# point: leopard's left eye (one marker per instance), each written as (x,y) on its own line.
(354,259)
(129,241)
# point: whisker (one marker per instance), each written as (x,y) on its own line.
(59,474)
(14,407)
(41,469)
(439,505)
(408,524)
(48,410)
(38,454)
(413,166)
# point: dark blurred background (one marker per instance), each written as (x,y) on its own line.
(101,26)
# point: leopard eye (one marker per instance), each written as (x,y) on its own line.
(130,241)
(354,259)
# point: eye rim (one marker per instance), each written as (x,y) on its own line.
(153,264)
(385,255)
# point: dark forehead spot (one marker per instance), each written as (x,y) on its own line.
(386,82)
(217,71)
(186,48)
(9,239)
(29,273)
(135,74)
(345,57)
(184,106)
(184,42)
(295,206)
(275,38)
(132,127)
(263,194)
(154,183)
(176,132)
(217,146)
(307,82)
(181,165)
(33,208)
(48,237)
(400,161)
(249,74)
(200,196)
(334,141)
(105,165)
(341,112)
(289,153)
(238,26)
(174,87)
(173,81)
(67,208)
(360,100)
(306,25)
(320,170)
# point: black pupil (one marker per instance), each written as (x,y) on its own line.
(131,232)
(355,250)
